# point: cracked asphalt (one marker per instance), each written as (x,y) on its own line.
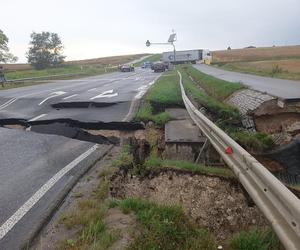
(37,170)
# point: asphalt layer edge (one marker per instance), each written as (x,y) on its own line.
(59,200)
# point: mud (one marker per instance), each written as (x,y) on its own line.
(218,204)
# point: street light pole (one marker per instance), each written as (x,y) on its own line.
(171,41)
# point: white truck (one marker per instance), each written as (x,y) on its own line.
(187,56)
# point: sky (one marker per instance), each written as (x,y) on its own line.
(98,28)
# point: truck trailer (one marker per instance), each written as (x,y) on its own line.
(187,56)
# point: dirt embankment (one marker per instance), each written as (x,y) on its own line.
(216,203)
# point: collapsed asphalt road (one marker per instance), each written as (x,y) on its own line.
(106,98)
(36,169)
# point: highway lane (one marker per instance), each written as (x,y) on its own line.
(37,169)
(285,89)
(34,102)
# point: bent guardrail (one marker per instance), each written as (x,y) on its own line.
(279,205)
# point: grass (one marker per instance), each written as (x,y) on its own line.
(155,162)
(213,102)
(257,54)
(285,69)
(163,94)
(225,116)
(164,227)
(152,58)
(216,88)
(125,158)
(254,142)
(255,240)
(88,216)
(65,69)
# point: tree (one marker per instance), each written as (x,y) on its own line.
(5,56)
(45,50)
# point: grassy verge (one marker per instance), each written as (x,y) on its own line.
(88,216)
(164,93)
(226,116)
(156,162)
(88,70)
(284,68)
(214,87)
(164,227)
(152,58)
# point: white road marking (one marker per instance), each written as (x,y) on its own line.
(142,90)
(24,209)
(92,89)
(9,102)
(68,97)
(37,117)
(55,94)
(107,94)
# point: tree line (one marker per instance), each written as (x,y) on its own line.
(45,50)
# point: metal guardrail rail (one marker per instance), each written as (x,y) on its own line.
(279,205)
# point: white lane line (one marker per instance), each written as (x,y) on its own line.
(68,97)
(6,104)
(37,117)
(55,94)
(92,89)
(24,209)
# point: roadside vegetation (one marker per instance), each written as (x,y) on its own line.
(152,58)
(88,217)
(156,225)
(255,239)
(75,71)
(279,62)
(164,227)
(163,94)
(156,162)
(211,93)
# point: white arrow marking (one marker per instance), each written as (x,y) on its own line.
(54,94)
(68,97)
(107,94)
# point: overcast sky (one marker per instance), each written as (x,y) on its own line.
(96,28)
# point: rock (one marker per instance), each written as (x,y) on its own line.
(294,128)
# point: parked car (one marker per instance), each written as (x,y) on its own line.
(158,67)
(126,68)
(147,64)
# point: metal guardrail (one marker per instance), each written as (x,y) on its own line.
(279,205)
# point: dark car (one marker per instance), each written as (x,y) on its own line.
(158,67)
(126,68)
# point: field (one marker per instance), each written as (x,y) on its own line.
(279,62)
(111,60)
(256,54)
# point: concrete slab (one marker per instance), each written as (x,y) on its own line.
(182,131)
(178,114)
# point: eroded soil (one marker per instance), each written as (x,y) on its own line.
(215,203)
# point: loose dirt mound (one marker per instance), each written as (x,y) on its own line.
(213,202)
